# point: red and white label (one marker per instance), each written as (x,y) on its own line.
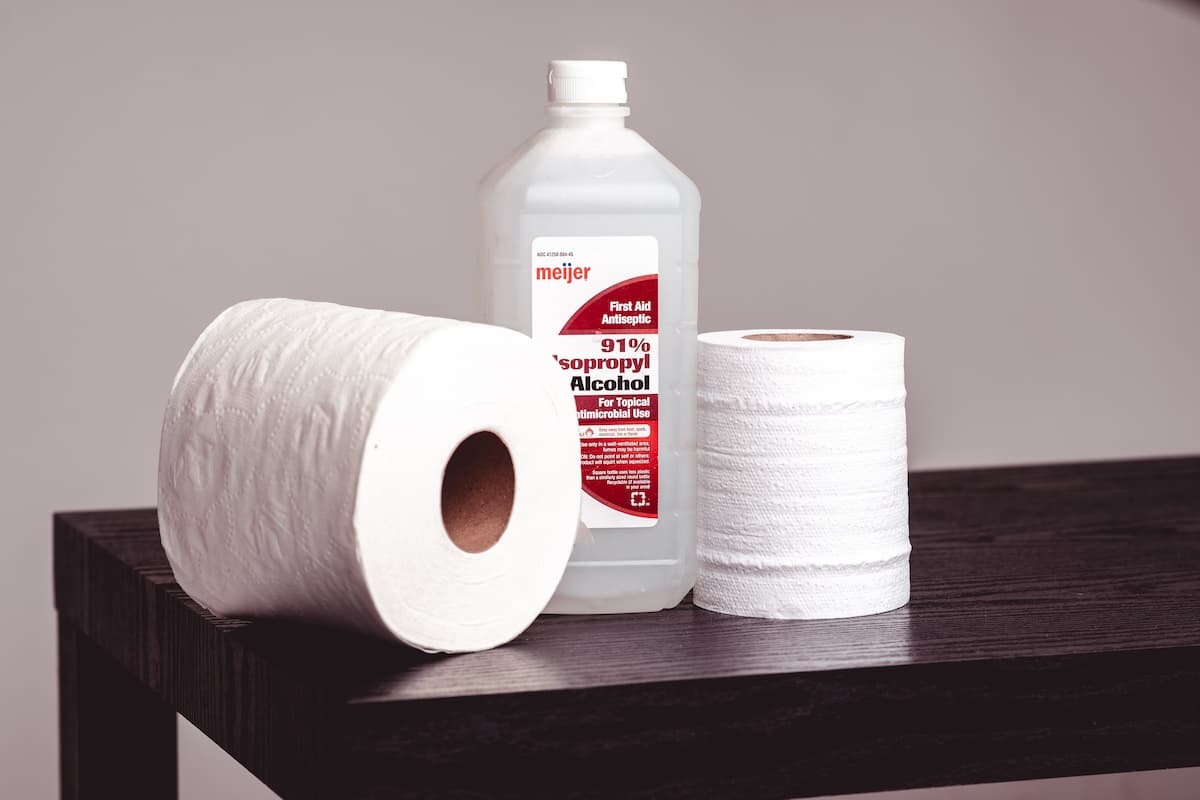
(595,308)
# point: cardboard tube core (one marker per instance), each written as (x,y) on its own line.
(477,492)
(795,337)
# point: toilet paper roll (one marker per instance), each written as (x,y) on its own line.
(803,473)
(406,476)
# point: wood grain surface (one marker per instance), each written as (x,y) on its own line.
(1054,629)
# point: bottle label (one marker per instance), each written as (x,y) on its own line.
(595,308)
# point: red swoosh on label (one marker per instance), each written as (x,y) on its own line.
(587,319)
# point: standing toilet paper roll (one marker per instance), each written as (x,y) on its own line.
(803,473)
(405,476)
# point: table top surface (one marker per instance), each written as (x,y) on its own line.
(1035,564)
(1006,563)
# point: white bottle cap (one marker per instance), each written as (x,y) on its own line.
(586,82)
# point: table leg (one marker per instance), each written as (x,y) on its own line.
(116,738)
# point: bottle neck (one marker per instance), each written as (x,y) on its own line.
(586,115)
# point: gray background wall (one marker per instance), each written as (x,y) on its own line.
(1015,186)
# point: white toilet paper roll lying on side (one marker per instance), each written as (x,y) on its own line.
(406,476)
(803,473)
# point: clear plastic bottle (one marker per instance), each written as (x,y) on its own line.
(590,244)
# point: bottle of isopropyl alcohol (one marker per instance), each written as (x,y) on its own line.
(590,243)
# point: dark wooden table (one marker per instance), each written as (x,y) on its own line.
(1054,629)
